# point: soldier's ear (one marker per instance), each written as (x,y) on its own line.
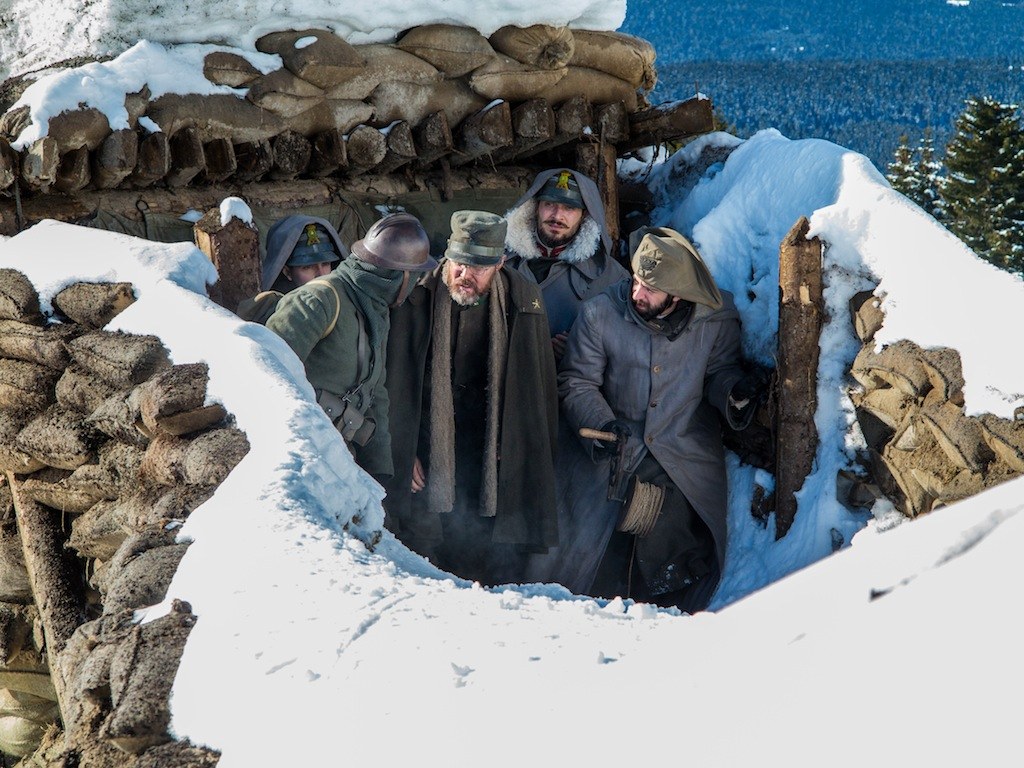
(501,263)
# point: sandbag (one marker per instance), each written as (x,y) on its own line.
(505,78)
(598,88)
(26,386)
(74,492)
(539,45)
(384,63)
(330,115)
(320,57)
(119,417)
(14,582)
(159,505)
(216,116)
(284,94)
(624,56)
(18,298)
(79,390)
(142,579)
(11,459)
(40,344)
(58,438)
(94,304)
(412,103)
(120,359)
(20,736)
(100,530)
(455,51)
(230,69)
(204,460)
(121,463)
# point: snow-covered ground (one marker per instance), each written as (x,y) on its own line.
(310,648)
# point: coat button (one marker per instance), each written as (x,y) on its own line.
(657,369)
(654,403)
(650,440)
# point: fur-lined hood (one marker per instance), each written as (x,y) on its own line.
(522,224)
(521,239)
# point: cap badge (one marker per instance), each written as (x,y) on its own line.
(563,181)
(312,237)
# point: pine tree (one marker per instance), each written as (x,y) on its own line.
(928,177)
(900,170)
(983,193)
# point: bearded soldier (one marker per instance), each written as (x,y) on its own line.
(474,409)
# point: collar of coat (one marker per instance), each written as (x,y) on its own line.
(620,292)
(521,237)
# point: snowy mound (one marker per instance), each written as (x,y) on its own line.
(40,32)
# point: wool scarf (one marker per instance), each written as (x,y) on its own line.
(441,482)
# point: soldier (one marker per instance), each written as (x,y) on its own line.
(338,326)
(299,249)
(472,382)
(655,362)
(557,238)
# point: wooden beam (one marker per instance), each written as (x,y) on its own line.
(669,122)
(572,121)
(55,581)
(801,309)
(611,122)
(367,148)
(253,161)
(597,160)
(329,154)
(400,147)
(482,133)
(433,139)
(39,164)
(154,160)
(73,172)
(234,249)
(187,158)
(221,163)
(9,165)
(291,155)
(533,122)
(115,158)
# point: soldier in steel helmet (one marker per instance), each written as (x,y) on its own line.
(338,327)
(472,381)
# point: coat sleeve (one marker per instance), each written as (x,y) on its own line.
(375,457)
(724,369)
(301,318)
(581,374)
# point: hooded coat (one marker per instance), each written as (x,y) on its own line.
(583,269)
(332,364)
(667,388)
(525,512)
(281,240)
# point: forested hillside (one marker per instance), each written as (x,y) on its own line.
(860,74)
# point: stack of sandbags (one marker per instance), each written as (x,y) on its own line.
(924,451)
(101,428)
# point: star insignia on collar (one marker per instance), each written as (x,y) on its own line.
(536,303)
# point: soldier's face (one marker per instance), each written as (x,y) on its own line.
(557,223)
(649,301)
(467,283)
(305,273)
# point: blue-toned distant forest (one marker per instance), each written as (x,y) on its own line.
(857,73)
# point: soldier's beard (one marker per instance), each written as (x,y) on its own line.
(649,311)
(465,293)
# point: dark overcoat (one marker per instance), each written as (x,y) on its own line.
(529,416)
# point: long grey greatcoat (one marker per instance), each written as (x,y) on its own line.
(584,269)
(616,367)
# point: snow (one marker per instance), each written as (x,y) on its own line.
(41,32)
(317,644)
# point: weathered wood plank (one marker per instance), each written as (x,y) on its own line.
(221,162)
(597,161)
(74,172)
(433,139)
(573,119)
(329,154)
(800,319)
(154,160)
(291,155)
(253,161)
(187,158)
(611,122)
(400,147)
(115,158)
(482,133)
(669,122)
(39,164)
(367,148)
(9,162)
(533,122)
(234,249)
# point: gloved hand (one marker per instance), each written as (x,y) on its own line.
(604,449)
(751,389)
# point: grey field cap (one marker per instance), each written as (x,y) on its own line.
(477,239)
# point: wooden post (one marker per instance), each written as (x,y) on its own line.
(115,158)
(253,159)
(291,155)
(533,122)
(328,155)
(221,163)
(668,122)
(154,161)
(73,172)
(800,320)
(187,158)
(367,147)
(483,132)
(8,165)
(597,160)
(433,139)
(400,147)
(234,250)
(56,586)
(39,164)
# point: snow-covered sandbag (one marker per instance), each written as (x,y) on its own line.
(206,459)
(412,103)
(626,57)
(596,86)
(505,78)
(454,50)
(26,386)
(119,417)
(230,69)
(11,459)
(58,438)
(384,63)
(539,45)
(284,93)
(18,298)
(70,491)
(79,390)
(100,530)
(330,115)
(94,304)
(41,344)
(120,359)
(318,56)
